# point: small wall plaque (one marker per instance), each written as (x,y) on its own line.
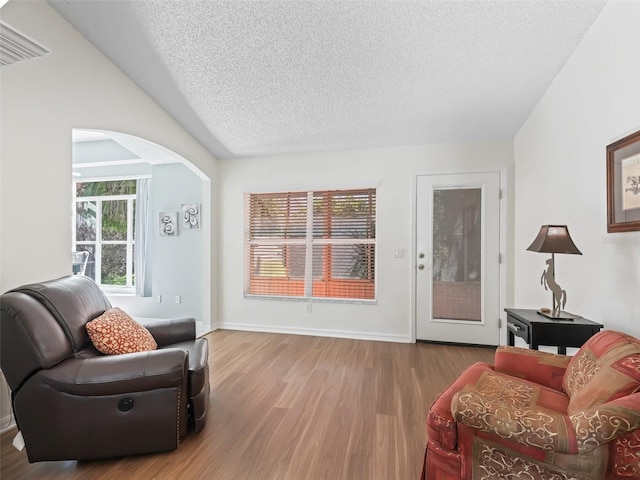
(168,224)
(190,215)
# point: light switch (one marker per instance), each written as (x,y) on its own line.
(398,253)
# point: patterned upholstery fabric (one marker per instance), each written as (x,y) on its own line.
(441,426)
(495,460)
(516,410)
(543,368)
(535,415)
(606,368)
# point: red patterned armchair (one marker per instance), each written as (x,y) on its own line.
(540,416)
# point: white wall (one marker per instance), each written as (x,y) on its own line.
(176,262)
(42,101)
(100,151)
(392,171)
(560,175)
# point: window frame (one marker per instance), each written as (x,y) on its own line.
(309,241)
(98,243)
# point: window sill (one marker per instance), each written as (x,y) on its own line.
(118,291)
(312,299)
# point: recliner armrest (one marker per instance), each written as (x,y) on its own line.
(543,368)
(115,374)
(576,434)
(166,332)
(609,421)
(441,426)
(542,429)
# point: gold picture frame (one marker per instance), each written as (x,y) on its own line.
(623,184)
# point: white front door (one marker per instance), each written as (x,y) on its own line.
(457,258)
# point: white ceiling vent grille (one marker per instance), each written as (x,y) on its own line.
(15,46)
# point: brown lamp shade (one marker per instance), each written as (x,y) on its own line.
(554,239)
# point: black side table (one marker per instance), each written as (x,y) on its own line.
(536,330)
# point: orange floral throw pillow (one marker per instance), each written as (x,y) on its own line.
(114,332)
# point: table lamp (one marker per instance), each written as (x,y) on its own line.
(554,239)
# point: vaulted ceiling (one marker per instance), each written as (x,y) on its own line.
(253,78)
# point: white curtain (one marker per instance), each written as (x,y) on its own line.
(143,219)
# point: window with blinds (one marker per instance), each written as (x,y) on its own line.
(311,244)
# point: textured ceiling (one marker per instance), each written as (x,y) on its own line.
(250,78)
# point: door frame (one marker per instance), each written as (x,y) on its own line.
(503,247)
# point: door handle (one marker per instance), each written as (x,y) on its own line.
(420,267)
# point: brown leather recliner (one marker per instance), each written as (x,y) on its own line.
(71,402)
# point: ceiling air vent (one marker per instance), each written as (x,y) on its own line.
(15,46)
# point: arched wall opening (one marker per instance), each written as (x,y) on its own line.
(178,265)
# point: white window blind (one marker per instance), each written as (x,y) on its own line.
(311,244)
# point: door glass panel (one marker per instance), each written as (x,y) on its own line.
(457,254)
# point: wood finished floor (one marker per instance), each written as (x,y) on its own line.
(287,407)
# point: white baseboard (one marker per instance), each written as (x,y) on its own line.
(201,329)
(382,337)
(6,423)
